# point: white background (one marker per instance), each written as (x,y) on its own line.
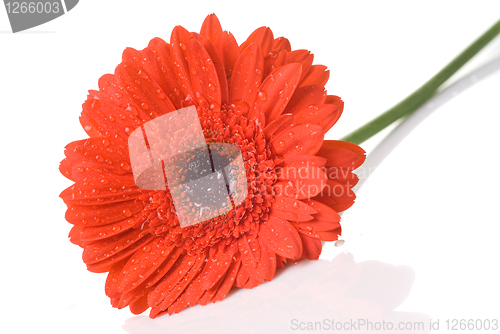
(421,240)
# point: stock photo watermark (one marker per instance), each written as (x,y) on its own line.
(363,324)
(24,15)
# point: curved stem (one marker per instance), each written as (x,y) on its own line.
(424,93)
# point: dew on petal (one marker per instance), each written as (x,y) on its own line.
(127,213)
(125,166)
(262,96)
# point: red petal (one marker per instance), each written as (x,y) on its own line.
(292,205)
(144,59)
(168,78)
(179,41)
(281,237)
(103,153)
(204,78)
(298,161)
(337,195)
(317,225)
(308,181)
(144,91)
(265,269)
(342,154)
(211,27)
(325,213)
(301,139)
(103,119)
(209,294)
(277,89)
(96,215)
(198,287)
(324,115)
(217,265)
(279,124)
(290,215)
(247,75)
(219,67)
(281,43)
(312,247)
(91,193)
(94,233)
(144,263)
(249,250)
(304,58)
(105,265)
(174,284)
(336,101)
(111,286)
(228,281)
(140,305)
(342,175)
(291,209)
(103,249)
(262,36)
(128,297)
(112,92)
(229,51)
(154,43)
(317,75)
(75,235)
(304,97)
(324,236)
(275,59)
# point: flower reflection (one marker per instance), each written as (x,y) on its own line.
(322,291)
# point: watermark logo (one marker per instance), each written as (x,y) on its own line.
(205,180)
(28,14)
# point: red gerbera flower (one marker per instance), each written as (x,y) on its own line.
(263,97)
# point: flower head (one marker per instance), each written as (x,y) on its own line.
(261,96)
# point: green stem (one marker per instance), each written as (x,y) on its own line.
(424,93)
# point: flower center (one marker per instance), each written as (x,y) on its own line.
(227,124)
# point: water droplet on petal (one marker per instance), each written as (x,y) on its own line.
(125,166)
(127,213)
(160,93)
(143,74)
(99,158)
(132,110)
(262,96)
